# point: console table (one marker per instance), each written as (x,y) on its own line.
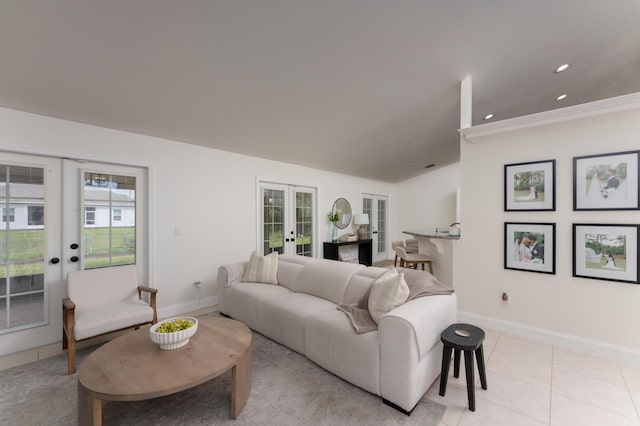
(365,248)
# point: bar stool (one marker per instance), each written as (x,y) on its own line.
(467,338)
(412,260)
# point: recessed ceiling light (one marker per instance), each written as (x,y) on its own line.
(561,97)
(488,116)
(562,68)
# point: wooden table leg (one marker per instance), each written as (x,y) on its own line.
(240,383)
(89,407)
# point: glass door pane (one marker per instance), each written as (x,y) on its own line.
(109,229)
(377,206)
(22,247)
(304,223)
(382,226)
(273,220)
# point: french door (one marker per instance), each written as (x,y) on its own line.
(286,219)
(46,208)
(377,207)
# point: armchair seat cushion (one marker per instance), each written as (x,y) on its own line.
(97,320)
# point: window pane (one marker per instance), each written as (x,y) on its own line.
(22,246)
(109,235)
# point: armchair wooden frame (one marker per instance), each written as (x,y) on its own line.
(68,322)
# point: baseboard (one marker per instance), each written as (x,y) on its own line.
(181,308)
(575,343)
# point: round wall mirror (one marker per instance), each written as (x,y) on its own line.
(344,207)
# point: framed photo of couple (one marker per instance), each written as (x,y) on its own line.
(530,186)
(606,181)
(606,252)
(530,247)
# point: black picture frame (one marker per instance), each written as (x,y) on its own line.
(606,181)
(530,186)
(618,246)
(530,246)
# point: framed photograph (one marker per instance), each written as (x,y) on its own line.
(530,247)
(530,186)
(606,252)
(606,182)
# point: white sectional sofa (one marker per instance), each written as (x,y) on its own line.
(398,362)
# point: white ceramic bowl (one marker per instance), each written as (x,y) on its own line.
(175,340)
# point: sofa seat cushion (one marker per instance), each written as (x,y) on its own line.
(241,300)
(331,343)
(283,318)
(101,319)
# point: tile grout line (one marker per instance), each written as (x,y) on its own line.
(635,406)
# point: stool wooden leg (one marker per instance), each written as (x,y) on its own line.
(431,267)
(468,366)
(423,266)
(395,261)
(481,370)
(444,372)
(456,363)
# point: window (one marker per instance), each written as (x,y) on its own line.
(36,215)
(117,215)
(12,215)
(89,215)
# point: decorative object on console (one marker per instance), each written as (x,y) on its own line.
(348,238)
(606,252)
(361,219)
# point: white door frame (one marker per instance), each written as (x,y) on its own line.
(373,228)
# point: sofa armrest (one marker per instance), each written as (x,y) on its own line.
(152,299)
(229,274)
(415,327)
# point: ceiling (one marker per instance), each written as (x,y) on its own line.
(368,88)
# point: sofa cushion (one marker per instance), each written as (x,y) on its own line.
(387,293)
(289,266)
(360,284)
(261,269)
(241,300)
(331,343)
(327,279)
(283,318)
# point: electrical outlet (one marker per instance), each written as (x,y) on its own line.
(197,283)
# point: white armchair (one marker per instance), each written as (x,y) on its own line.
(102,301)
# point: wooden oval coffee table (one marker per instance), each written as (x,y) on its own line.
(133,368)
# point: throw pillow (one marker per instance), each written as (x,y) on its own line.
(387,293)
(261,269)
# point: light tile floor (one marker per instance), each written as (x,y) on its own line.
(531,383)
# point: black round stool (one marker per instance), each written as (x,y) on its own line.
(467,338)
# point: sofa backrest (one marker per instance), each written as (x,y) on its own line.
(360,283)
(327,279)
(102,286)
(289,266)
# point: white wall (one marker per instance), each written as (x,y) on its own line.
(597,315)
(220,187)
(427,201)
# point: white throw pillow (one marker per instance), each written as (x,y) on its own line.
(387,293)
(261,269)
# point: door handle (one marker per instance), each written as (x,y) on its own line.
(374,232)
(54,260)
(74,258)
